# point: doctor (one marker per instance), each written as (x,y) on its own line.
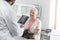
(8,21)
(33,24)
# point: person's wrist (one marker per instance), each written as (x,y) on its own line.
(22,26)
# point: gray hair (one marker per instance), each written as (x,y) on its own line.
(35,10)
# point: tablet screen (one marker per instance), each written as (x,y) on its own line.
(23,19)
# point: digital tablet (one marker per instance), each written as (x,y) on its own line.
(23,19)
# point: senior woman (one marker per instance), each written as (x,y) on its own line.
(33,24)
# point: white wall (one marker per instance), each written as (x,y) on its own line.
(28,1)
(52,14)
(55,35)
(45,13)
(45,4)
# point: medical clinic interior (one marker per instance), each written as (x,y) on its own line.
(37,20)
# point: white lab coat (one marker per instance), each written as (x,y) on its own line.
(37,25)
(8,22)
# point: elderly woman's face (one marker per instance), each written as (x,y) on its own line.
(32,13)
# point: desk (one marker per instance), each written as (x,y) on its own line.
(45,36)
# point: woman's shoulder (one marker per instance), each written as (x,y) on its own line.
(38,20)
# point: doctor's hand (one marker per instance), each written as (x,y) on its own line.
(22,26)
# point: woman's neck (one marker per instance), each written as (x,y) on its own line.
(32,18)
